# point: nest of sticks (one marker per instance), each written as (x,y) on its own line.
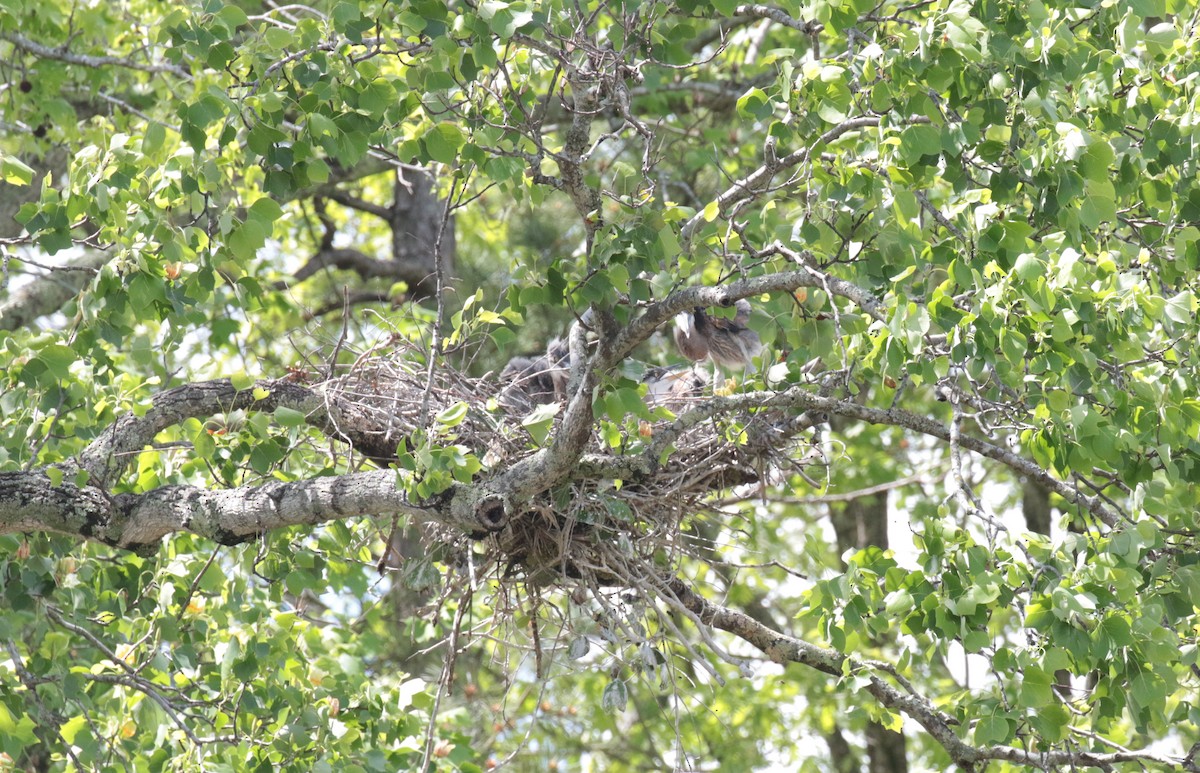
(594,526)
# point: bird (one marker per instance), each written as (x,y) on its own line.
(727,342)
(672,385)
(530,381)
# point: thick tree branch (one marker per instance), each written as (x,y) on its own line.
(29,501)
(365,266)
(488,501)
(111,453)
(570,162)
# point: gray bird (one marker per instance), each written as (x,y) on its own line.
(530,381)
(727,342)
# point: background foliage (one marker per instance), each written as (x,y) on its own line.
(207,190)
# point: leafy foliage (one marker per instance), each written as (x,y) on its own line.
(971,232)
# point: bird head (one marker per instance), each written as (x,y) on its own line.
(691,334)
(685,322)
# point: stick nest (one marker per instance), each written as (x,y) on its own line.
(607,518)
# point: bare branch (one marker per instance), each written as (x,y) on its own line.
(800,397)
(779,16)
(62,55)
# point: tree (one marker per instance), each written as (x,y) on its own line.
(266,503)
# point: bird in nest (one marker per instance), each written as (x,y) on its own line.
(530,381)
(729,343)
(672,386)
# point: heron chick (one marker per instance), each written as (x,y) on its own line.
(673,385)
(530,381)
(727,342)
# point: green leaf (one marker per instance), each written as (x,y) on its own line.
(754,104)
(58,359)
(19,730)
(452,416)
(69,729)
(920,140)
(289,417)
(246,239)
(992,729)
(1095,162)
(14,171)
(1181,308)
(203,445)
(540,420)
(345,13)
(615,697)
(1036,689)
(232,17)
(155,138)
(265,211)
(443,141)
(1028,266)
(1162,36)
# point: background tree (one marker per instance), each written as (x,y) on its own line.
(264,506)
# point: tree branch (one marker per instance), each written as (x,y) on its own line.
(760,179)
(783,648)
(29,501)
(47,294)
(779,16)
(111,452)
(62,55)
(800,397)
(364,265)
(353,202)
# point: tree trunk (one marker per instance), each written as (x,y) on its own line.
(886,750)
(862,523)
(1035,501)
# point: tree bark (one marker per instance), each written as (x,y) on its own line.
(843,756)
(886,750)
(1035,502)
